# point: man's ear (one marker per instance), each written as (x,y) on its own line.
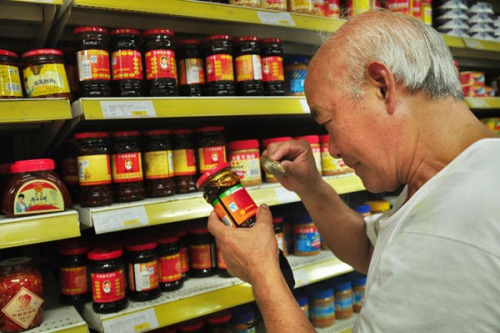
(381,78)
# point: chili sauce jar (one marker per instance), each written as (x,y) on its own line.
(219,65)
(158,164)
(270,178)
(211,147)
(195,325)
(73,272)
(201,253)
(307,239)
(244,158)
(219,322)
(184,160)
(313,141)
(223,190)
(221,264)
(248,66)
(343,300)
(10,80)
(273,75)
(143,278)
(184,252)
(191,68)
(169,263)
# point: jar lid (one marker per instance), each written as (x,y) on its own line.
(86,135)
(5,168)
(215,37)
(362,208)
(193,325)
(219,317)
(243,144)
(278,219)
(312,139)
(247,38)
(322,293)
(188,41)
(211,172)
(125,133)
(198,231)
(141,246)
(181,233)
(79,30)
(42,52)
(343,286)
(157,132)
(359,281)
(296,59)
(105,253)
(210,129)
(8,53)
(12,262)
(168,239)
(158,32)
(267,142)
(125,31)
(73,247)
(32,165)
(270,40)
(379,205)
(183,131)
(324,138)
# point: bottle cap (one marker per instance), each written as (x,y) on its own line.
(272,166)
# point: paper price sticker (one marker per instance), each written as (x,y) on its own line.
(473,43)
(479,103)
(126,218)
(141,321)
(284,196)
(129,109)
(279,18)
(301,278)
(304,105)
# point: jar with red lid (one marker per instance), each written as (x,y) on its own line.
(94,74)
(244,156)
(73,272)
(202,257)
(107,278)
(191,69)
(219,65)
(266,142)
(161,69)
(44,74)
(69,168)
(126,63)
(158,164)
(219,322)
(126,166)
(10,80)
(34,188)
(313,141)
(184,160)
(169,263)
(248,66)
(142,264)
(194,325)
(21,295)
(94,169)
(273,75)
(184,251)
(211,147)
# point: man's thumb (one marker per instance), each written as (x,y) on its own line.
(264,214)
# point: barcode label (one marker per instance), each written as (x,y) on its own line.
(13,87)
(254,172)
(84,66)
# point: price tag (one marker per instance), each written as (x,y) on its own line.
(284,196)
(478,103)
(301,278)
(278,18)
(305,106)
(121,219)
(473,43)
(128,109)
(141,321)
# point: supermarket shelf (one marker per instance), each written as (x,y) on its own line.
(29,110)
(474,48)
(483,102)
(190,206)
(340,325)
(40,2)
(63,319)
(38,228)
(199,297)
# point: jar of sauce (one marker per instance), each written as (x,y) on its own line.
(278,223)
(158,164)
(127,166)
(273,75)
(169,263)
(20,280)
(321,306)
(161,69)
(219,65)
(244,156)
(201,253)
(34,188)
(10,80)
(44,74)
(343,300)
(221,264)
(184,160)
(126,63)
(73,272)
(69,168)
(191,68)
(184,252)
(219,322)
(313,141)
(143,277)
(195,325)
(94,169)
(307,239)
(94,74)
(266,142)
(248,66)
(295,73)
(211,147)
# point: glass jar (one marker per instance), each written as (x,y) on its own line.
(92,55)
(73,272)
(343,300)
(266,142)
(201,253)
(221,264)
(107,277)
(126,63)
(358,292)
(126,166)
(94,169)
(143,278)
(158,164)
(274,4)
(219,322)
(34,188)
(161,69)
(218,51)
(248,66)
(295,73)
(321,306)
(307,240)
(184,160)
(313,141)
(273,75)
(222,189)
(44,74)
(10,80)
(184,252)
(278,223)
(20,280)
(211,147)
(169,263)
(191,69)
(69,168)
(244,156)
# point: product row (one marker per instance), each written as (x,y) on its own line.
(474,85)
(326,8)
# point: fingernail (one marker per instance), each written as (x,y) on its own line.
(264,206)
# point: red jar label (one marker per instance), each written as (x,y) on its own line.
(143,276)
(127,167)
(158,164)
(221,264)
(248,67)
(108,287)
(38,196)
(93,65)
(160,64)
(170,268)
(211,156)
(219,67)
(94,170)
(70,171)
(200,256)
(184,260)
(191,71)
(74,280)
(235,206)
(23,308)
(184,162)
(272,69)
(127,64)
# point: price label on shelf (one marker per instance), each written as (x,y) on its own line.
(305,106)
(136,322)
(127,109)
(473,43)
(284,196)
(120,219)
(479,103)
(278,18)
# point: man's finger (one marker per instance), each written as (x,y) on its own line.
(215,225)
(264,214)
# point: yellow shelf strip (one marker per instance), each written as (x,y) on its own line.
(483,102)
(34,110)
(453,41)
(471,43)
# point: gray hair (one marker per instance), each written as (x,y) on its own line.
(416,54)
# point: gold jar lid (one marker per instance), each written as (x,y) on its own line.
(272,166)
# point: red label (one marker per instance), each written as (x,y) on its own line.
(70,171)
(74,280)
(184,260)
(221,264)
(219,67)
(93,65)
(272,69)
(235,206)
(248,67)
(191,71)
(108,287)
(127,167)
(200,256)
(143,276)
(127,64)
(211,156)
(160,64)
(305,230)
(170,268)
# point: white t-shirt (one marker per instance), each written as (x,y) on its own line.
(436,261)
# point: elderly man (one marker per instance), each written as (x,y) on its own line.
(385,88)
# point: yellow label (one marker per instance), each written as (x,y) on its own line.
(23,307)
(10,82)
(184,162)
(328,162)
(94,170)
(38,196)
(46,79)
(360,6)
(317,156)
(246,166)
(158,164)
